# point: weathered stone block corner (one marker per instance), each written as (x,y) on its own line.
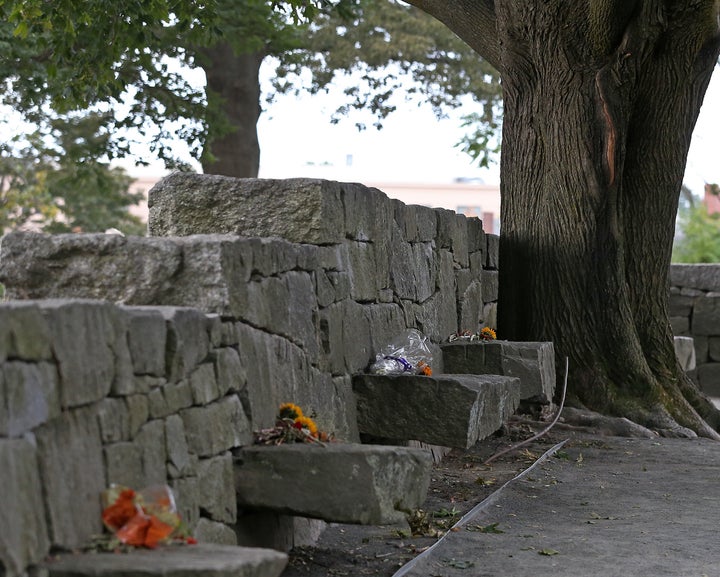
(151,360)
(145,360)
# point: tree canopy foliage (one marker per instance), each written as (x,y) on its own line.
(117,55)
(53,181)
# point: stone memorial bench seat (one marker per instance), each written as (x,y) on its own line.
(448,410)
(340,482)
(531,362)
(201,560)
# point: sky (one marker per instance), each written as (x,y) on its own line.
(298,140)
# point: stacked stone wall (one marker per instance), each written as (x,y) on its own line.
(148,360)
(695,312)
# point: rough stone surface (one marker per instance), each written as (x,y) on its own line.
(205,560)
(299,210)
(99,266)
(147,339)
(124,464)
(178,454)
(706,315)
(87,342)
(407,407)
(714,348)
(217,495)
(708,376)
(533,363)
(704,277)
(385,482)
(685,352)
(184,345)
(217,427)
(24,332)
(23,532)
(153,446)
(73,473)
(188,342)
(207,531)
(29,396)
(493,251)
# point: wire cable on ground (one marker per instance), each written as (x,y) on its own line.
(484,504)
(541,433)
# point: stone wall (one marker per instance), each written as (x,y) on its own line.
(147,360)
(695,312)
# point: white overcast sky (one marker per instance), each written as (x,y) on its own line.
(297,139)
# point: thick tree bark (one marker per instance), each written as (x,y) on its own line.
(600,100)
(599,109)
(232,147)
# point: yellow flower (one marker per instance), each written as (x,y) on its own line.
(307,423)
(488,334)
(290,411)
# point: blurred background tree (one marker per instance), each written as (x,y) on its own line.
(698,239)
(53,181)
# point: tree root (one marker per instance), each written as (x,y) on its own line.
(605,425)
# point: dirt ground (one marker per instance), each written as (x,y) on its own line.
(458,483)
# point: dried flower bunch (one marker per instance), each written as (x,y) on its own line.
(291,426)
(485,334)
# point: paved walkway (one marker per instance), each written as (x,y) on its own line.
(612,507)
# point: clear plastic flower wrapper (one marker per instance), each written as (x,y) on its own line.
(406,353)
(145,518)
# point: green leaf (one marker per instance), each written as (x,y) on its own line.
(548,552)
(21,30)
(491,528)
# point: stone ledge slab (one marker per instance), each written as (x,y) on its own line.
(341,482)
(445,410)
(698,276)
(299,210)
(202,560)
(532,362)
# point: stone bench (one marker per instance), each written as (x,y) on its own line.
(446,410)
(202,560)
(532,362)
(341,482)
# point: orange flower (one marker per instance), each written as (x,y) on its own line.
(488,334)
(307,423)
(290,411)
(121,511)
(134,531)
(157,532)
(425,369)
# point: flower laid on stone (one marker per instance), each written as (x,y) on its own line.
(488,334)
(289,411)
(145,518)
(407,353)
(291,426)
(424,369)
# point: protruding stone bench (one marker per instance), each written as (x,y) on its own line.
(446,410)
(685,352)
(532,362)
(202,560)
(341,482)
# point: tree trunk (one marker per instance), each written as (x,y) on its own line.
(232,147)
(600,100)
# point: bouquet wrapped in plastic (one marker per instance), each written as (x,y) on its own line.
(145,518)
(407,353)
